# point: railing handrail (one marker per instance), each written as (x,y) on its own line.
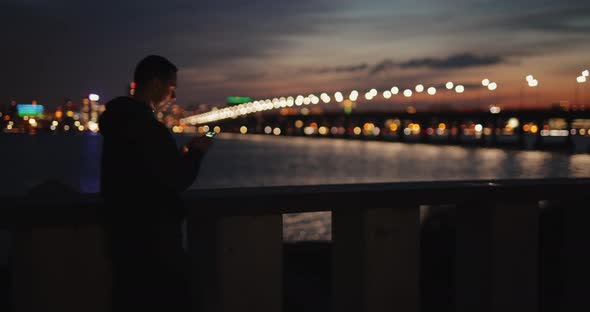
(82,208)
(218,193)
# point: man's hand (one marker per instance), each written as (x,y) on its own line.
(200,144)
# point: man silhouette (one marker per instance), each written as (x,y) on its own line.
(142,176)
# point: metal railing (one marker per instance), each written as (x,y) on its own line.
(237,248)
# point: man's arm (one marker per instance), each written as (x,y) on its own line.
(169,166)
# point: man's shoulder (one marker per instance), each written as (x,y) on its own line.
(130,118)
(153,127)
(157,125)
(120,103)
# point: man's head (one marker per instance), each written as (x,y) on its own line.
(155,79)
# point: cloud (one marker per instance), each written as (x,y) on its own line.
(382,66)
(574,19)
(338,69)
(455,61)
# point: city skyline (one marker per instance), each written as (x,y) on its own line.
(264,50)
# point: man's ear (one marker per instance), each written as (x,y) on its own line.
(157,84)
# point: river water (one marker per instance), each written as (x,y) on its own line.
(259,160)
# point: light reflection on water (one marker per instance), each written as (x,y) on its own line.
(579,165)
(237,161)
(258,160)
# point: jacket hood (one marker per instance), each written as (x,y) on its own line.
(122,116)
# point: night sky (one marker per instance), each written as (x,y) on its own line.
(270,48)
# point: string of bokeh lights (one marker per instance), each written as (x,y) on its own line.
(301,100)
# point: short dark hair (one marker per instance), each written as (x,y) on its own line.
(154,67)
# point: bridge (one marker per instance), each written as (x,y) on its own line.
(563,126)
(530,129)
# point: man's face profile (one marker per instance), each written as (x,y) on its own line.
(166,93)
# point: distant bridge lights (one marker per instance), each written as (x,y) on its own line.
(299,100)
(532,82)
(581,79)
(314,99)
(513,122)
(278,103)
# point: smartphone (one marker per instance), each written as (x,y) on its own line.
(210,134)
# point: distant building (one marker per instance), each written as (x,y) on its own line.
(561,105)
(12,110)
(131,88)
(237,100)
(85,111)
(90,111)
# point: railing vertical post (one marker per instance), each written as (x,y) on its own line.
(497,256)
(236,262)
(61,268)
(22,267)
(375,256)
(202,247)
(575,257)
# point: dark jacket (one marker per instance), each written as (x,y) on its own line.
(143,172)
